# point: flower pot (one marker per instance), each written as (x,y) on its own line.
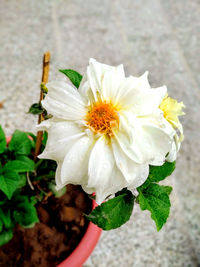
(85,247)
(87,244)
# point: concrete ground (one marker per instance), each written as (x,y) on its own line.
(158,35)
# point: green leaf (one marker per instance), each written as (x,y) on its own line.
(22,181)
(26,160)
(9,182)
(155,198)
(25,212)
(32,139)
(5,218)
(159,173)
(26,165)
(20,143)
(74,76)
(2,202)
(6,236)
(2,140)
(114,212)
(36,109)
(1,225)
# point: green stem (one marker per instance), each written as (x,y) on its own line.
(38,163)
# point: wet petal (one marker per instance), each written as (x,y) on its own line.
(63,101)
(75,164)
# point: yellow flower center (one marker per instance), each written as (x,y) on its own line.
(172,110)
(102,117)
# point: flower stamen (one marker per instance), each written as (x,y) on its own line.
(102,117)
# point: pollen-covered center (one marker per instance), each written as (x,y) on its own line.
(102,117)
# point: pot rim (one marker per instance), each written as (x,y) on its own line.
(87,244)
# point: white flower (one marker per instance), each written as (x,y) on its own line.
(105,134)
(171,111)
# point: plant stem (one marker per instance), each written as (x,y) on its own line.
(38,163)
(45,73)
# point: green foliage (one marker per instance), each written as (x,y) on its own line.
(32,138)
(25,212)
(5,219)
(20,143)
(114,212)
(36,109)
(23,165)
(6,236)
(9,182)
(10,179)
(2,140)
(20,209)
(155,198)
(159,173)
(74,76)
(15,162)
(17,200)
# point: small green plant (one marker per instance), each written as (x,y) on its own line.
(22,182)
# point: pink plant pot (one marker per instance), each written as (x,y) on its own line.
(87,244)
(85,247)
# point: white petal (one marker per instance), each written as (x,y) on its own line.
(135,174)
(126,138)
(75,165)
(95,72)
(61,136)
(95,75)
(46,124)
(172,154)
(115,183)
(175,148)
(139,100)
(85,90)
(101,163)
(59,184)
(155,143)
(64,101)
(88,190)
(111,82)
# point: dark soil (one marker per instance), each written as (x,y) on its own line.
(61,227)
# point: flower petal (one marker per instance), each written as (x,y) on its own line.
(59,184)
(155,143)
(61,136)
(111,82)
(126,138)
(172,154)
(96,72)
(175,148)
(115,183)
(64,101)
(135,174)
(139,100)
(75,165)
(101,163)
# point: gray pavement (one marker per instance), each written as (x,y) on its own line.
(158,35)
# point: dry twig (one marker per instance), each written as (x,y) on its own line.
(45,73)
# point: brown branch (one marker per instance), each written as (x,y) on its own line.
(45,73)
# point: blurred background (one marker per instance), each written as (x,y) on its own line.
(158,35)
